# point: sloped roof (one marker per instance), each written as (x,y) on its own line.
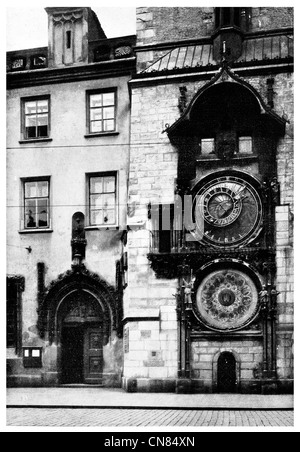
(276,47)
(267,48)
(184,56)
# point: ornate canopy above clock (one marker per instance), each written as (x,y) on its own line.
(227,211)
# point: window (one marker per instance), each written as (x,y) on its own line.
(38,61)
(11,316)
(36,204)
(36,118)
(225,17)
(102,200)
(245,145)
(14,289)
(18,64)
(162,225)
(207,146)
(102,112)
(69,35)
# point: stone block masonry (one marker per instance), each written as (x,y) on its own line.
(153,344)
(179,23)
(152,355)
(192,22)
(248,354)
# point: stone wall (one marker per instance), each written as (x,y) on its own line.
(152,351)
(284,101)
(178,24)
(265,18)
(157,25)
(153,169)
(248,353)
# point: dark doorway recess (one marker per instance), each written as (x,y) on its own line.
(227,378)
(72,355)
(82,354)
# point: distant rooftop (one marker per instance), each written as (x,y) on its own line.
(99,51)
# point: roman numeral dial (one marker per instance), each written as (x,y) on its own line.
(227,211)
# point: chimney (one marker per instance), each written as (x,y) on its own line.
(69,33)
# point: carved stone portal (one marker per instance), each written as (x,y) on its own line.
(227,300)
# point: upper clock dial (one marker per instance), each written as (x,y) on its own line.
(227,211)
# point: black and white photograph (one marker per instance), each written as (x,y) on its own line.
(149,220)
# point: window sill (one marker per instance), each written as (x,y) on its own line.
(36,140)
(102,228)
(236,158)
(35,231)
(102,134)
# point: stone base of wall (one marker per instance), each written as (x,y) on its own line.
(29,379)
(285,387)
(183,386)
(186,386)
(148,385)
(24,381)
(245,387)
(112,381)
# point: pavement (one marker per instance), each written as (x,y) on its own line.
(102,398)
(171,420)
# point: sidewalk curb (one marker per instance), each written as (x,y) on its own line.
(173,408)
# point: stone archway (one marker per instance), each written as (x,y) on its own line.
(80,319)
(82,334)
(108,298)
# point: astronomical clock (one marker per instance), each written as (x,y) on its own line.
(228,214)
(224,256)
(227,300)
(227,211)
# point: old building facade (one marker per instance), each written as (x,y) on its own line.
(212,202)
(68,162)
(150,217)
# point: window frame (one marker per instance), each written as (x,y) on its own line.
(14,288)
(25,100)
(245,137)
(24,228)
(89,176)
(90,93)
(11,318)
(234,17)
(208,139)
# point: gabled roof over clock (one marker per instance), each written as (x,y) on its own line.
(251,102)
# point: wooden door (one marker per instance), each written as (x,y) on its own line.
(93,355)
(72,355)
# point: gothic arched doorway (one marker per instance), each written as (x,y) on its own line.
(227,376)
(81,337)
(80,315)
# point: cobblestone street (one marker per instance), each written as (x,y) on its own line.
(47,417)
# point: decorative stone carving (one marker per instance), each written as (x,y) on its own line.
(227,300)
(79,278)
(123,52)
(81,305)
(168,266)
(68,16)
(182,99)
